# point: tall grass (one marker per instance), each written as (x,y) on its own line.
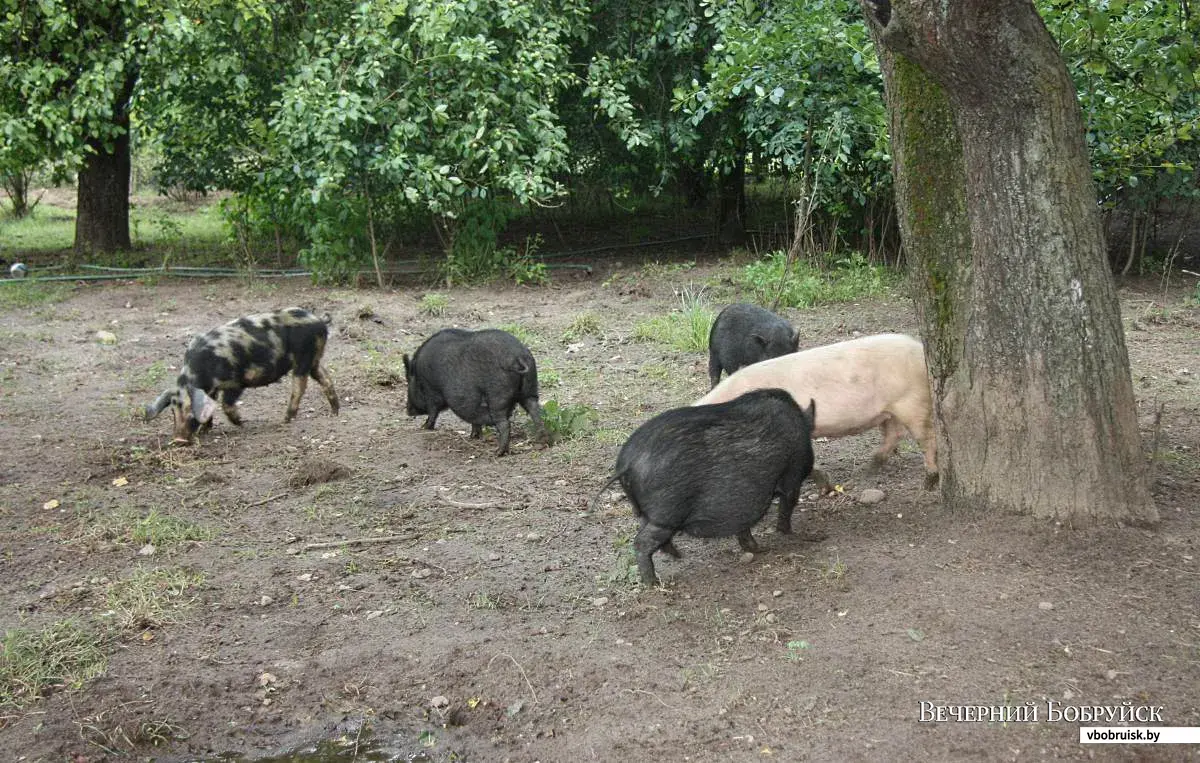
(808,284)
(684,329)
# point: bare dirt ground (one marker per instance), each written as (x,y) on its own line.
(492,620)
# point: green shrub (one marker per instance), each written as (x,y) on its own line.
(566,422)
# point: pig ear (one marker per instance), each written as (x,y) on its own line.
(795,339)
(203,406)
(161,402)
(762,341)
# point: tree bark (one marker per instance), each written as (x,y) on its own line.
(1033,399)
(102,205)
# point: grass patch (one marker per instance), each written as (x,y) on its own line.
(548,378)
(435,304)
(160,530)
(46,228)
(149,597)
(526,337)
(383,369)
(24,295)
(684,329)
(808,284)
(585,324)
(62,655)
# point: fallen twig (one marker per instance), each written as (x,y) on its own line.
(268,499)
(514,662)
(358,542)
(461,505)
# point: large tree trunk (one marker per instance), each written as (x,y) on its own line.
(1034,403)
(102,206)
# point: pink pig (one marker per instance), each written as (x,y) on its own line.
(874,381)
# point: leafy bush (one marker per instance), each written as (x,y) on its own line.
(566,422)
(807,284)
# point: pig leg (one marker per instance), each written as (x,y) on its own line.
(326,381)
(787,505)
(229,398)
(747,542)
(714,371)
(502,432)
(923,433)
(669,547)
(649,539)
(535,412)
(476,431)
(893,431)
(299,384)
(430,420)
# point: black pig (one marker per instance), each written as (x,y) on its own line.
(253,351)
(713,470)
(480,375)
(744,334)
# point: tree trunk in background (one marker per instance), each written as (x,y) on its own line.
(102,207)
(1033,400)
(731,215)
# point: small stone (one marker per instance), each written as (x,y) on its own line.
(533,536)
(147,550)
(770,617)
(424,572)
(265,601)
(493,557)
(599,601)
(763,607)
(748,556)
(305,577)
(870,495)
(1045,605)
(777,594)
(1111,675)
(374,614)
(106,337)
(266,679)
(439,702)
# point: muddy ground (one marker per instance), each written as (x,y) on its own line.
(487,618)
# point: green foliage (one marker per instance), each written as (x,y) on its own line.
(548,378)
(435,109)
(806,284)
(800,85)
(1137,70)
(435,304)
(796,650)
(685,329)
(63,654)
(566,422)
